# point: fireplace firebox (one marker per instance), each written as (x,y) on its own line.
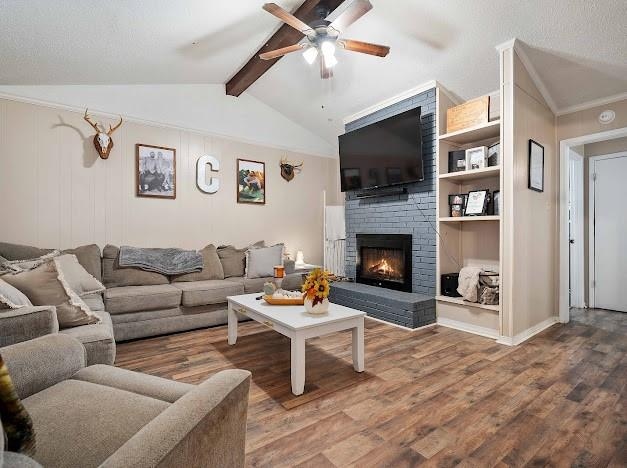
(384,260)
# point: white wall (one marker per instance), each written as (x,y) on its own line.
(56,192)
(204,108)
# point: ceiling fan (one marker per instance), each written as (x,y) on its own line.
(323,36)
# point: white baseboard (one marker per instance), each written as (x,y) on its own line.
(466,327)
(401,326)
(528,333)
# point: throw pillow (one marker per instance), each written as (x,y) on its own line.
(20,252)
(77,277)
(114,276)
(89,257)
(16,266)
(260,262)
(44,285)
(234,260)
(212,267)
(11,297)
(16,422)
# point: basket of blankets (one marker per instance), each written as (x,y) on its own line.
(478,285)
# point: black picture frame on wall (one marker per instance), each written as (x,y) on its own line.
(536,166)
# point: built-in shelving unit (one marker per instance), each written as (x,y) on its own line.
(468,240)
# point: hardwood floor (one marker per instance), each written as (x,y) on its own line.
(436,397)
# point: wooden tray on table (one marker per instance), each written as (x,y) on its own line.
(287,301)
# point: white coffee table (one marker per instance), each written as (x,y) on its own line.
(296,324)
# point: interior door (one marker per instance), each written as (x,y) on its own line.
(575,230)
(610,231)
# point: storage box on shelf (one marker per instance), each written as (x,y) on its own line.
(466,240)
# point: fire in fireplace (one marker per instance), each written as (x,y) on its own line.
(384,260)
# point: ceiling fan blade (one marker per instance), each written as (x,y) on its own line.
(272,54)
(287,18)
(364,47)
(357,9)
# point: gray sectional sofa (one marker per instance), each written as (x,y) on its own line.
(136,304)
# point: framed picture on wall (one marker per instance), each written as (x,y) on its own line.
(156,171)
(251,182)
(536,166)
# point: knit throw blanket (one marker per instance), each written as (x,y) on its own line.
(164,261)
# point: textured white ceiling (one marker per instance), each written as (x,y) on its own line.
(579,48)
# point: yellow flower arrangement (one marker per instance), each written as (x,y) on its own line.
(317,286)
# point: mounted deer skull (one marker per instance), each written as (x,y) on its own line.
(102,139)
(288,170)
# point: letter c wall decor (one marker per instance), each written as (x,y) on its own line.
(201,171)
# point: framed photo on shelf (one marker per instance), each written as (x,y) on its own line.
(536,166)
(457,199)
(457,211)
(477,158)
(476,203)
(496,200)
(251,182)
(494,154)
(155,171)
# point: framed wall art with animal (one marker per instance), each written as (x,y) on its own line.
(251,182)
(156,171)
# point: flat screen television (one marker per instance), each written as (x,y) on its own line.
(388,152)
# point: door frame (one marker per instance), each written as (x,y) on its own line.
(563,239)
(577,282)
(591,222)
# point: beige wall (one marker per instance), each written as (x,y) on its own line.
(56,192)
(586,122)
(533,257)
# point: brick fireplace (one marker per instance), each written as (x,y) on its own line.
(384,260)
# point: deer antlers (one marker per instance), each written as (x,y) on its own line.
(96,126)
(295,166)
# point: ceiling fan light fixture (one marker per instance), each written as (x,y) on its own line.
(310,55)
(330,60)
(328,49)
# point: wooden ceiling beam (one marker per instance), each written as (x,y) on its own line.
(285,36)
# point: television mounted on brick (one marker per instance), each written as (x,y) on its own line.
(382,154)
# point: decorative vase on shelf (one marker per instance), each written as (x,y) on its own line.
(321,307)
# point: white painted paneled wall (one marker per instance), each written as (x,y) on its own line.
(56,192)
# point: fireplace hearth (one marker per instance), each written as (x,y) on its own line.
(384,260)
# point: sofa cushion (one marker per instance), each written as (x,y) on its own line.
(144,384)
(113,276)
(260,262)
(211,270)
(89,257)
(82,424)
(253,285)
(45,286)
(234,260)
(140,298)
(11,297)
(199,293)
(21,252)
(98,340)
(77,277)
(17,266)
(94,301)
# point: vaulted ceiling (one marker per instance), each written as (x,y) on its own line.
(578,47)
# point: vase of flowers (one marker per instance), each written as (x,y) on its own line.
(316,289)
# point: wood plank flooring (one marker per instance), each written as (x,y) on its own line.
(436,397)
